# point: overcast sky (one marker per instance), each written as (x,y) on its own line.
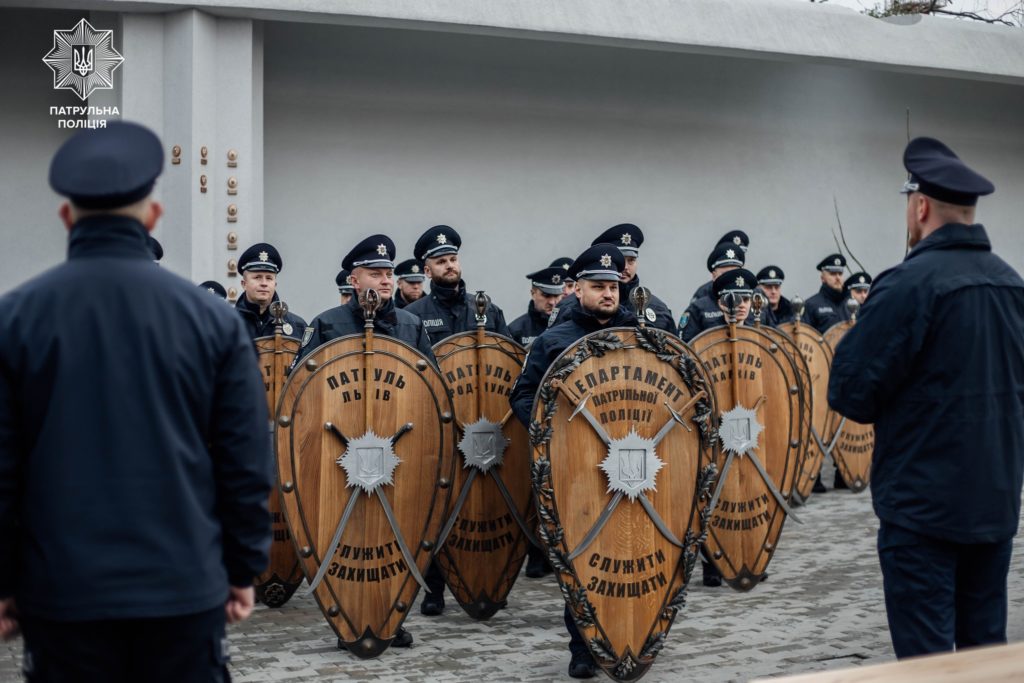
(983,7)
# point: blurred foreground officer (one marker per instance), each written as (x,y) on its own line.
(546,289)
(826,308)
(596,273)
(409,274)
(259,266)
(135,461)
(936,362)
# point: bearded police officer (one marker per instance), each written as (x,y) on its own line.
(627,238)
(546,290)
(825,309)
(705,312)
(259,266)
(780,309)
(449,308)
(738,241)
(410,282)
(565,262)
(936,362)
(596,273)
(135,461)
(345,288)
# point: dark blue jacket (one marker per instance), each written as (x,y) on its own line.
(702,291)
(780,316)
(528,326)
(450,310)
(135,463)
(263,325)
(936,362)
(663,319)
(546,348)
(342,321)
(826,308)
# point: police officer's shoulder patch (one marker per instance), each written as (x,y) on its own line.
(683,319)
(307,335)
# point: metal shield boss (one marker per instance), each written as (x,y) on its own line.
(364,439)
(623,473)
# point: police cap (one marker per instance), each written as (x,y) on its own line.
(833,263)
(936,171)
(770,275)
(215,288)
(549,280)
(341,279)
(105,168)
(599,262)
(859,280)
(626,236)
(437,241)
(260,257)
(565,263)
(738,281)
(725,254)
(410,269)
(376,251)
(737,238)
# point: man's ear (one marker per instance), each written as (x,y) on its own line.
(153,214)
(65,215)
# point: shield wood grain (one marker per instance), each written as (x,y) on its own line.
(818,355)
(854,442)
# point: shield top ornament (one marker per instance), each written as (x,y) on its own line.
(83,59)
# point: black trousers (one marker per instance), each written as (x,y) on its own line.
(941,595)
(183,649)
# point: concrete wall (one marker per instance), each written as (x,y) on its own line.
(531,148)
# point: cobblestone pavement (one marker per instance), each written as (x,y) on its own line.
(821,608)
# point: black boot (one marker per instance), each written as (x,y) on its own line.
(536,563)
(818,486)
(433,600)
(712,577)
(840,483)
(582,666)
(402,639)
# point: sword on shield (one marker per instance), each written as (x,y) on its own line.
(369,461)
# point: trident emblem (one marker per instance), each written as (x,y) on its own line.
(83,59)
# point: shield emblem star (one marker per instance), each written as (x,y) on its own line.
(83,59)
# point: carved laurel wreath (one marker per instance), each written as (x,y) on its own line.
(550,526)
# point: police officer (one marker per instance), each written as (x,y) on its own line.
(449,308)
(135,461)
(259,266)
(546,290)
(345,289)
(565,262)
(857,287)
(410,282)
(596,273)
(705,312)
(936,362)
(826,308)
(627,238)
(215,288)
(738,241)
(780,309)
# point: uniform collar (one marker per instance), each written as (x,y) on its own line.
(537,315)
(244,305)
(449,296)
(108,236)
(588,322)
(626,288)
(385,318)
(954,236)
(831,294)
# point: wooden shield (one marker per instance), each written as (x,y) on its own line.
(365,462)
(854,442)
(757,393)
(622,474)
(284,574)
(484,541)
(818,355)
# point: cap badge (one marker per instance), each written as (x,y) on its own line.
(210,290)
(556,279)
(771,273)
(838,262)
(415,268)
(606,260)
(862,280)
(382,250)
(740,282)
(737,240)
(627,238)
(565,266)
(264,256)
(730,253)
(441,239)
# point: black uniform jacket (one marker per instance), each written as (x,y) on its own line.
(135,463)
(782,315)
(826,308)
(703,291)
(344,320)
(450,310)
(548,346)
(936,362)
(663,319)
(263,325)
(528,326)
